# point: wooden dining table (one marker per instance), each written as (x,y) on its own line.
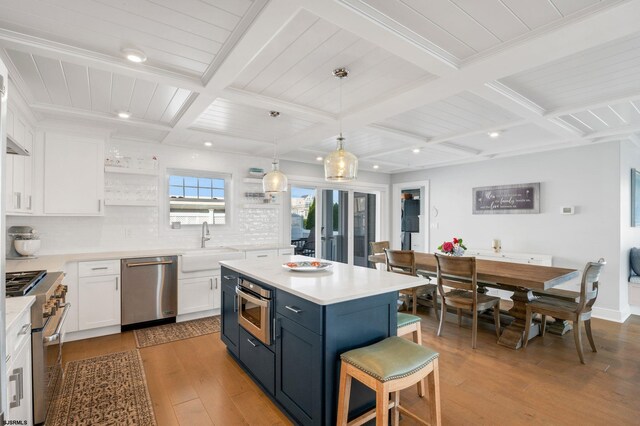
(519,278)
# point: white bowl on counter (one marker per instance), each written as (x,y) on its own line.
(27,247)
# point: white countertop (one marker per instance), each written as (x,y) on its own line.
(340,283)
(56,262)
(15,307)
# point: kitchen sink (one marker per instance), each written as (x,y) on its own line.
(207,258)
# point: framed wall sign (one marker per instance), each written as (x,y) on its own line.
(635,197)
(507,199)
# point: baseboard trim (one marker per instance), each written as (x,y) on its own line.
(197,315)
(611,314)
(94,332)
(634,310)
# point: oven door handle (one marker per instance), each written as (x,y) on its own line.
(56,333)
(251,298)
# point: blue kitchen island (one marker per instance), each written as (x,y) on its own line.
(287,329)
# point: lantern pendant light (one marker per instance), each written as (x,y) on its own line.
(275,181)
(340,165)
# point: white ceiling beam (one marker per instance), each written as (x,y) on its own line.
(268,103)
(614,23)
(421,140)
(593,105)
(622,131)
(97,116)
(273,17)
(514,102)
(379,33)
(63,52)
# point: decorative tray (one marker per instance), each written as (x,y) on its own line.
(310,266)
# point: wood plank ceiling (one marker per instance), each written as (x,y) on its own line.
(432,77)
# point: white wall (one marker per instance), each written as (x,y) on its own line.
(124,228)
(629,237)
(585,177)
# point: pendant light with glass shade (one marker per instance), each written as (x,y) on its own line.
(275,181)
(340,165)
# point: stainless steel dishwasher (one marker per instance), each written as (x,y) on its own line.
(149,290)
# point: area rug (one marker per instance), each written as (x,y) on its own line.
(171,332)
(106,390)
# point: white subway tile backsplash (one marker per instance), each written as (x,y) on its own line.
(136,227)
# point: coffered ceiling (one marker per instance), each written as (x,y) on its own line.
(427,76)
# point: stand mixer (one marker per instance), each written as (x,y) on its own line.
(22,242)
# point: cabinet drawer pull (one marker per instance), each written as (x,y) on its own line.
(293,309)
(100,268)
(117,279)
(210,283)
(16,377)
(252,344)
(262,255)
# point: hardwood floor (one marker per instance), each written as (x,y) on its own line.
(195,382)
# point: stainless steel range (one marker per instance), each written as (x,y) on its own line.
(48,314)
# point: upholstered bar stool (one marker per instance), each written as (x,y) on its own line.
(410,324)
(387,367)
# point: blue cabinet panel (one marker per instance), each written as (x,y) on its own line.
(229,318)
(299,371)
(258,359)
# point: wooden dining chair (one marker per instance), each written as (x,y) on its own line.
(577,311)
(404,262)
(459,274)
(377,247)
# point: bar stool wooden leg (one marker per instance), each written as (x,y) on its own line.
(417,338)
(395,421)
(344,395)
(414,301)
(382,404)
(433,381)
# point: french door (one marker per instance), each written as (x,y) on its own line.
(342,222)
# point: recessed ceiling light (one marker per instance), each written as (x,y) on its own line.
(124,114)
(375,166)
(207,143)
(134,55)
(415,150)
(319,158)
(494,134)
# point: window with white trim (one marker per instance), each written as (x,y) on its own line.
(197,197)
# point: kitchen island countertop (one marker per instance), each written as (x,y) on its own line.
(339,284)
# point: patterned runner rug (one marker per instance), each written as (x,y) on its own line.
(171,332)
(105,390)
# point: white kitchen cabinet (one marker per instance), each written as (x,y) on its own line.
(286,251)
(73,175)
(19,387)
(98,295)
(198,294)
(19,168)
(261,254)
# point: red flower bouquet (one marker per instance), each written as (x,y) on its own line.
(453,248)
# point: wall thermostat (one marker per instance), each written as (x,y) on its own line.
(568,210)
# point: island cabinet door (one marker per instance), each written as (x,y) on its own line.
(299,371)
(230,328)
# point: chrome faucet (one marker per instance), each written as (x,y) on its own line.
(205,234)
